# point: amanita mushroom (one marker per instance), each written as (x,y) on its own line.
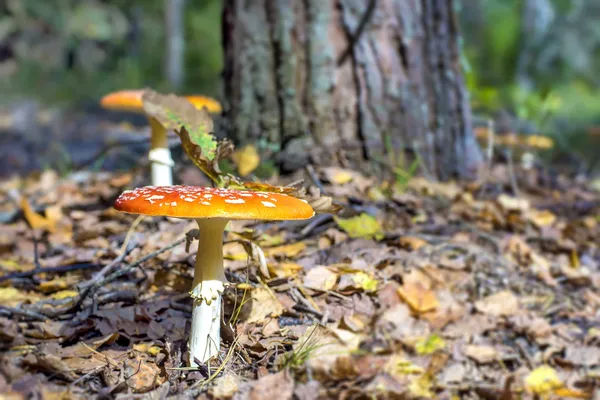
(212,209)
(159,155)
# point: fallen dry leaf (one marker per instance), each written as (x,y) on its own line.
(273,386)
(321,278)
(262,304)
(418,298)
(499,304)
(481,354)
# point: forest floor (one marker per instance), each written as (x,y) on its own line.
(424,290)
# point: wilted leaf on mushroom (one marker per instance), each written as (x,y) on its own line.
(195,130)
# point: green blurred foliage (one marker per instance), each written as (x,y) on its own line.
(538,60)
(65,51)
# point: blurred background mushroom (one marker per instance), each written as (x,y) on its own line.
(159,154)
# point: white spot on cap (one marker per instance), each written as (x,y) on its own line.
(268,204)
(154,197)
(188,199)
(235,201)
(206,203)
(174,203)
(246,194)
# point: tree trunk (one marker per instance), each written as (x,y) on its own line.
(348,79)
(175,51)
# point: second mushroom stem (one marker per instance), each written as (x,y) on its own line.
(160,155)
(209,276)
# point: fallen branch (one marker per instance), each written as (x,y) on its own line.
(48,270)
(14,311)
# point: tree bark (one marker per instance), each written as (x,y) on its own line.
(290,87)
(175,51)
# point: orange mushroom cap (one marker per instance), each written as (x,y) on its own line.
(123,100)
(131,100)
(205,202)
(212,105)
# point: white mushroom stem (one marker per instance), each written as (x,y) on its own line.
(209,276)
(160,155)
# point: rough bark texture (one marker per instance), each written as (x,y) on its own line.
(289,87)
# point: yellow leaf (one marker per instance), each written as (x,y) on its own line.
(543,380)
(10,296)
(541,218)
(284,269)
(56,284)
(147,348)
(361,226)
(376,194)
(246,159)
(11,265)
(337,175)
(365,281)
(398,365)
(421,387)
(509,203)
(64,294)
(419,298)
(35,220)
(288,250)
(429,345)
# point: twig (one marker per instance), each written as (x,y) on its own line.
(107,268)
(316,221)
(10,311)
(126,248)
(130,232)
(314,177)
(200,385)
(104,150)
(90,287)
(128,268)
(116,297)
(48,270)
(296,295)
